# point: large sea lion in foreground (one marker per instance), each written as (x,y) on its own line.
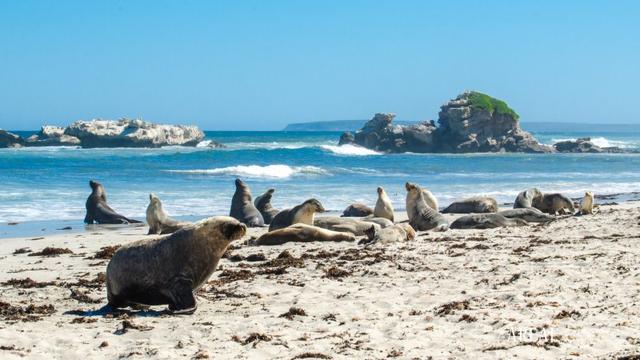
(395,233)
(525,199)
(357,210)
(485,221)
(384,208)
(355,226)
(586,205)
(168,270)
(263,204)
(529,214)
(554,203)
(98,211)
(301,233)
(158,220)
(242,208)
(477,204)
(303,213)
(421,216)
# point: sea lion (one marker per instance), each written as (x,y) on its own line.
(529,214)
(158,220)
(395,233)
(98,211)
(421,216)
(303,213)
(431,200)
(169,269)
(384,208)
(383,222)
(553,204)
(586,206)
(357,210)
(263,204)
(525,198)
(485,221)
(476,204)
(242,208)
(355,226)
(301,233)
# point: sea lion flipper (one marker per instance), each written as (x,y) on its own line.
(184,302)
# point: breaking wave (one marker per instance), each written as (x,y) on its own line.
(349,149)
(258,171)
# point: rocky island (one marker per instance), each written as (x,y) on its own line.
(472,122)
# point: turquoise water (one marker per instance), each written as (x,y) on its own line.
(50,185)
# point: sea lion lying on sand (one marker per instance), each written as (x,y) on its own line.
(169,269)
(525,199)
(263,204)
(384,208)
(357,210)
(395,233)
(158,220)
(301,233)
(242,207)
(485,221)
(378,220)
(421,216)
(355,226)
(554,204)
(303,213)
(586,206)
(527,214)
(98,211)
(477,204)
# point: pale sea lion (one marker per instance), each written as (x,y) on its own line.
(303,213)
(485,221)
(169,269)
(395,233)
(554,203)
(302,233)
(242,208)
(357,210)
(383,222)
(525,198)
(355,226)
(586,205)
(158,220)
(529,214)
(383,208)
(431,200)
(98,211)
(421,216)
(476,204)
(263,204)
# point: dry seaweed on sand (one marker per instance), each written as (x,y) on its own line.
(254,338)
(25,313)
(293,311)
(105,252)
(451,307)
(335,272)
(27,283)
(51,251)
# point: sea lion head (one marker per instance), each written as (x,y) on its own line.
(240,184)
(410,186)
(219,227)
(153,199)
(411,233)
(94,185)
(371,232)
(314,205)
(588,194)
(97,189)
(380,190)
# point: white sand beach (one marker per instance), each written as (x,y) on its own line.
(569,289)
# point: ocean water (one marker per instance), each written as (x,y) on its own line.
(44,189)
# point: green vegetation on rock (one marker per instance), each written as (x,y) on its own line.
(485,102)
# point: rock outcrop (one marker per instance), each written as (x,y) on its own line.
(52,136)
(583,145)
(472,122)
(10,140)
(132,133)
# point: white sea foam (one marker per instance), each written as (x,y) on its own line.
(349,149)
(257,171)
(600,141)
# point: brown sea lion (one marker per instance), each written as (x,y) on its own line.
(554,204)
(303,213)
(158,220)
(263,204)
(357,210)
(477,204)
(529,214)
(485,221)
(98,211)
(242,207)
(301,233)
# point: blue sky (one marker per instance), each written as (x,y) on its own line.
(258,65)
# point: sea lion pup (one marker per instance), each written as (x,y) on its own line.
(529,214)
(485,221)
(301,233)
(554,204)
(169,269)
(476,204)
(242,208)
(525,198)
(263,204)
(357,210)
(384,208)
(421,216)
(355,226)
(98,211)
(586,205)
(395,233)
(158,220)
(303,213)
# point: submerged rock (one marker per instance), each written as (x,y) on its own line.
(52,136)
(583,145)
(10,140)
